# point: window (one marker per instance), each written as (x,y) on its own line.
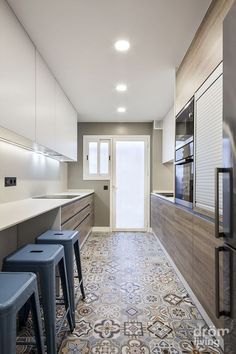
(96,158)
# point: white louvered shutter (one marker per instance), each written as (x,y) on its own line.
(209,140)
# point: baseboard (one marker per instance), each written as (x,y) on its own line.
(101,229)
(191,293)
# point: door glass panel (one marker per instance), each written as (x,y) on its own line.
(104,158)
(93,152)
(130,183)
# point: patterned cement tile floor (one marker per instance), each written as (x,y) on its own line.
(135,303)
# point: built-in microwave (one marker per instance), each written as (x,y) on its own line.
(184,128)
(184,169)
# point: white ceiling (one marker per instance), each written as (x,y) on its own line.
(76,38)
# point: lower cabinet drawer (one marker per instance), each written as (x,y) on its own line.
(85,227)
(76,220)
(74,208)
(79,215)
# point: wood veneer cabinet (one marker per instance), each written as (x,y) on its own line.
(204,244)
(79,215)
(203,55)
(189,240)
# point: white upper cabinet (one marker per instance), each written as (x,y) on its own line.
(168,138)
(45,105)
(17,76)
(32,104)
(66,126)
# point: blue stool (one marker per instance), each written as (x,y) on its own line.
(70,241)
(43,260)
(15,291)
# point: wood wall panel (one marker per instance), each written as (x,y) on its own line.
(204,53)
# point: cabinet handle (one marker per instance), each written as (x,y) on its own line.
(218,311)
(219,171)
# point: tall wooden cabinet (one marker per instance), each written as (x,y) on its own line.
(190,241)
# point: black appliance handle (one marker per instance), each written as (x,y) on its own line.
(218,311)
(219,171)
(184,161)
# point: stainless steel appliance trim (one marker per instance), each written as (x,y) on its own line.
(184,161)
(184,202)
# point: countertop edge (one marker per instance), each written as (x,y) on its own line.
(58,203)
(188,210)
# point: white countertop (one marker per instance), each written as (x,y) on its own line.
(13,213)
(170,199)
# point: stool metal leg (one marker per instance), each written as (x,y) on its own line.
(65,290)
(69,259)
(48,290)
(8,334)
(78,264)
(35,309)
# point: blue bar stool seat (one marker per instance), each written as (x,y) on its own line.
(70,241)
(15,291)
(43,260)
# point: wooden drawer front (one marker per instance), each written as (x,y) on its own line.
(168,219)
(71,209)
(190,241)
(85,227)
(183,254)
(204,244)
(156,217)
(162,219)
(74,222)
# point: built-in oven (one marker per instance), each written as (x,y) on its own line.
(184,170)
(184,128)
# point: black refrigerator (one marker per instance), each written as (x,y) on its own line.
(226,227)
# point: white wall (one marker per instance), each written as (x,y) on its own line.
(36,174)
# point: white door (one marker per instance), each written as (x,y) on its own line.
(130,183)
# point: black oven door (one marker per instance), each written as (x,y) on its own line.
(185,125)
(184,183)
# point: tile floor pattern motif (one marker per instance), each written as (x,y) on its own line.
(135,303)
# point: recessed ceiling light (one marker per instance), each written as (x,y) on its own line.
(122,45)
(121,109)
(121,87)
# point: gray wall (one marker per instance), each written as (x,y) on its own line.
(102,197)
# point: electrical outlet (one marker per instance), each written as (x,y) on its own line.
(10,181)
(105,188)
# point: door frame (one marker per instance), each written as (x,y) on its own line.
(146,139)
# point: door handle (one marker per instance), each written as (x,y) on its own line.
(219,313)
(219,171)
